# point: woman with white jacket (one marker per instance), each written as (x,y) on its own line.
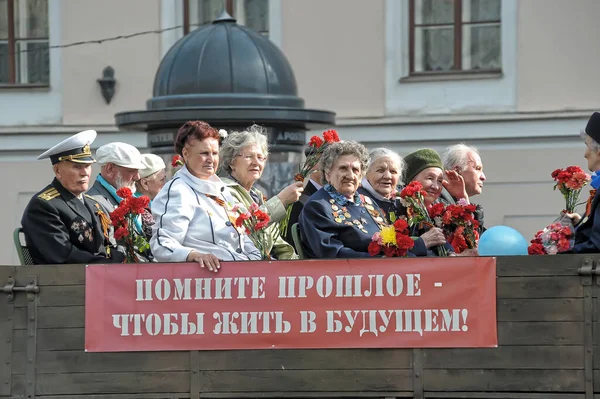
(193,211)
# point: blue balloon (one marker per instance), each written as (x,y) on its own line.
(502,241)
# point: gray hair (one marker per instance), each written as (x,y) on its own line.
(594,145)
(457,156)
(382,152)
(338,149)
(235,141)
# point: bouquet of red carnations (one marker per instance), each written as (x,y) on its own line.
(552,240)
(392,241)
(317,145)
(253,222)
(123,219)
(413,198)
(570,181)
(460,225)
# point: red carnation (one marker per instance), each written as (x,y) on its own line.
(124,192)
(176,161)
(331,136)
(374,248)
(316,142)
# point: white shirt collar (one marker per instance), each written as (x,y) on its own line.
(317,185)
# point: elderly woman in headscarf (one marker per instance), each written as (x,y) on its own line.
(192,211)
(425,166)
(381,181)
(337,221)
(243,158)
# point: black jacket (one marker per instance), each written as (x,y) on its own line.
(60,228)
(309,190)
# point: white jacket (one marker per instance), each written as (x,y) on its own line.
(186,219)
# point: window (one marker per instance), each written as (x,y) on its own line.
(252,13)
(24,53)
(454,36)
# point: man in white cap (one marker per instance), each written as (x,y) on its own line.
(152,179)
(61,223)
(119,166)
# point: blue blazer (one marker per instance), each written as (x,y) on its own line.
(587,232)
(333,231)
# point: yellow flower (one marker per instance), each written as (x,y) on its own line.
(388,235)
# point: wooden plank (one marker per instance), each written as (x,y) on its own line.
(52,339)
(56,295)
(106,383)
(306,359)
(6,329)
(71,362)
(53,317)
(539,287)
(562,265)
(53,274)
(540,333)
(380,395)
(118,396)
(302,395)
(564,309)
(306,380)
(504,395)
(506,357)
(504,380)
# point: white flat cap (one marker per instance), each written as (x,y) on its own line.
(121,154)
(153,163)
(75,149)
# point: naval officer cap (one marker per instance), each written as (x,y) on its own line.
(73,149)
(121,154)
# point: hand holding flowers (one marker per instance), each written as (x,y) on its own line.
(253,222)
(392,241)
(123,220)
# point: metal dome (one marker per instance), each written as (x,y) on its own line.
(225,73)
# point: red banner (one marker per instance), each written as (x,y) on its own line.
(361,303)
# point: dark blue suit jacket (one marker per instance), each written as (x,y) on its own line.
(587,232)
(325,237)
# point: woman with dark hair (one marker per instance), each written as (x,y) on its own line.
(193,211)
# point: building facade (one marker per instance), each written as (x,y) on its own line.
(514,78)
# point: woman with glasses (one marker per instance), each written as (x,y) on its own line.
(193,220)
(243,158)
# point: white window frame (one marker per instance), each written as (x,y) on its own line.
(172,16)
(19,101)
(447,94)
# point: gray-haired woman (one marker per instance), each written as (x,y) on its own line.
(381,181)
(338,222)
(243,158)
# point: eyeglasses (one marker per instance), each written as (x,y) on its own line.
(249,157)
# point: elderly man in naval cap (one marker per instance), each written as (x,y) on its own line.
(61,223)
(119,167)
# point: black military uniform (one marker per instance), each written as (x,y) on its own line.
(60,227)
(309,190)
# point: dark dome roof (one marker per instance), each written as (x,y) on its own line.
(225,73)
(225,64)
